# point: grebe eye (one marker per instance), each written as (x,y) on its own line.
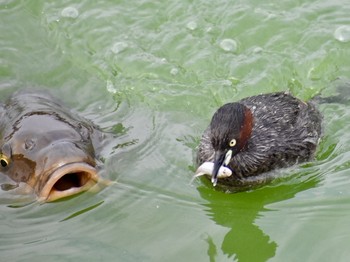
(232,143)
(4,161)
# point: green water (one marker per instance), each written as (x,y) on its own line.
(154,72)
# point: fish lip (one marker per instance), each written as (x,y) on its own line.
(85,173)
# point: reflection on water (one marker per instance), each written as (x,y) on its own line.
(245,240)
(75,214)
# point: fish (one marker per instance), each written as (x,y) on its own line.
(207,169)
(47,147)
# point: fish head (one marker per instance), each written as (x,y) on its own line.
(53,156)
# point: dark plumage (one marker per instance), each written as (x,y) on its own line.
(262,133)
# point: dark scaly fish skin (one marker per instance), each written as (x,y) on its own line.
(285,131)
(47,146)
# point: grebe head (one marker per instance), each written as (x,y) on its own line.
(230,129)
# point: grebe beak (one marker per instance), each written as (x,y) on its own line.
(220,159)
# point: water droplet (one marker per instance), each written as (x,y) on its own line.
(174,71)
(192,25)
(70,12)
(228,45)
(110,87)
(342,33)
(119,47)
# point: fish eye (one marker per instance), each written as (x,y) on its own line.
(232,143)
(4,161)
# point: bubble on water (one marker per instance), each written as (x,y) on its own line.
(192,25)
(174,71)
(342,33)
(119,47)
(70,12)
(228,45)
(110,87)
(257,50)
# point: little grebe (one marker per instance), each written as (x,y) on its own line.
(258,134)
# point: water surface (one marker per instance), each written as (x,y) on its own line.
(153,72)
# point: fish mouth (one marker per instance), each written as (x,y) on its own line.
(68,180)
